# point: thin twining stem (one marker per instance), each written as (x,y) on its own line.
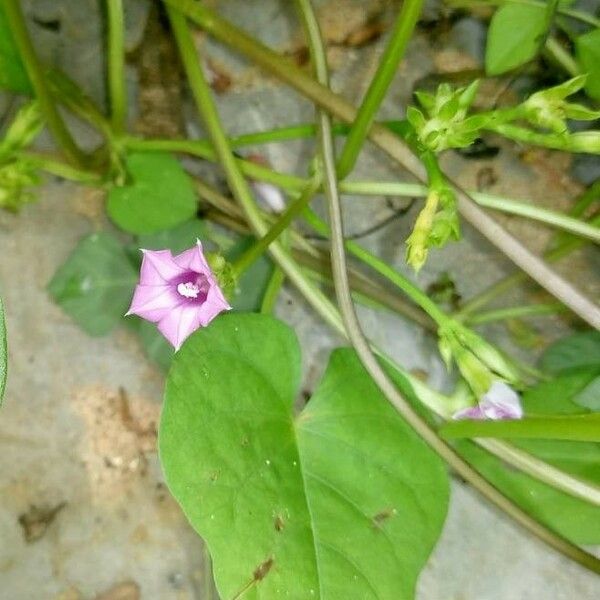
(534,266)
(386,71)
(361,345)
(35,71)
(235,179)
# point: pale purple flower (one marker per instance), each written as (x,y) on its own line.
(500,402)
(180,293)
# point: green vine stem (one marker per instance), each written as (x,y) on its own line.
(280,225)
(541,470)
(116,62)
(35,71)
(581,428)
(388,66)
(235,179)
(558,55)
(583,141)
(362,347)
(293,183)
(59,168)
(410,289)
(535,267)
(513,312)
(565,246)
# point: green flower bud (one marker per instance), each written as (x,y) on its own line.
(22,131)
(15,176)
(549,108)
(223,272)
(447,124)
(479,362)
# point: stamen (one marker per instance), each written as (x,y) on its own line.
(188,290)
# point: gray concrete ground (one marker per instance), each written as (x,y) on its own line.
(83,505)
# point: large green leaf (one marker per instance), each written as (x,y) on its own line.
(575,519)
(587,48)
(13,76)
(3,352)
(160,195)
(94,286)
(514,37)
(340,501)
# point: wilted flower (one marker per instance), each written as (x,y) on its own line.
(180,293)
(433,228)
(500,402)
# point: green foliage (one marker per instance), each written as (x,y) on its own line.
(159,196)
(3,352)
(587,50)
(94,286)
(514,37)
(549,108)
(557,396)
(16,176)
(13,76)
(26,125)
(575,519)
(445,123)
(589,396)
(577,350)
(340,501)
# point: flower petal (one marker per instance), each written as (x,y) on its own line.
(472,412)
(180,323)
(501,402)
(193,260)
(153,302)
(158,267)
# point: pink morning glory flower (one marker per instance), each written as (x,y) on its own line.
(180,293)
(500,402)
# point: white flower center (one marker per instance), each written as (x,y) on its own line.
(188,290)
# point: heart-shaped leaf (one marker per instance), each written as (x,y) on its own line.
(95,284)
(514,36)
(343,500)
(159,196)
